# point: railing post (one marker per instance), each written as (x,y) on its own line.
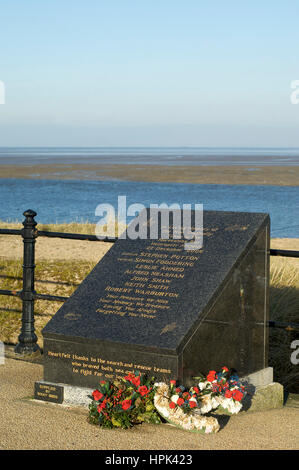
(28,340)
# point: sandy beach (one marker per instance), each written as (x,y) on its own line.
(235,174)
(11,247)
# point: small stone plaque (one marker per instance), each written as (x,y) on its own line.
(48,392)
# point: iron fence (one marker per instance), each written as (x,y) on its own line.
(27,340)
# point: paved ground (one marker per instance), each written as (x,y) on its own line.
(25,424)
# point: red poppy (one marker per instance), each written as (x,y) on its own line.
(126,404)
(237,395)
(136,381)
(96,395)
(196,389)
(180,401)
(172,405)
(143,390)
(192,404)
(101,407)
(211,378)
(225,368)
(228,394)
(173,382)
(130,377)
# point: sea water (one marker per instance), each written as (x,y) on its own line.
(73,200)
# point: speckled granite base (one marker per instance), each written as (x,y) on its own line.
(73,396)
(260,378)
(262,393)
(265,398)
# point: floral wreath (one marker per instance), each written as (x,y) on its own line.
(136,399)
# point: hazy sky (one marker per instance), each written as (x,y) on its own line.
(149,72)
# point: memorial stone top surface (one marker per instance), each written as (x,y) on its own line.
(152,296)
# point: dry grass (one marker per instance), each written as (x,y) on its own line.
(72,227)
(55,278)
(111,229)
(284,307)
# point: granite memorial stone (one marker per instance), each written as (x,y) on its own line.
(152,306)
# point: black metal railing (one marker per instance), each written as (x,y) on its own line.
(27,340)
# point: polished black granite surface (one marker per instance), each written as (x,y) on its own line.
(151,305)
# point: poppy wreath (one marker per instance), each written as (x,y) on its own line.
(124,402)
(222,390)
(186,408)
(136,399)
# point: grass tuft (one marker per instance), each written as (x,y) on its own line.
(284,307)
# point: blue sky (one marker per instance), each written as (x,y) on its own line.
(149,72)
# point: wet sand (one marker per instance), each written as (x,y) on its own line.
(250,175)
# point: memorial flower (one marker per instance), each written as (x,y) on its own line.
(237,395)
(216,390)
(182,416)
(124,402)
(211,377)
(97,395)
(192,403)
(175,398)
(135,399)
(143,390)
(221,390)
(129,377)
(136,381)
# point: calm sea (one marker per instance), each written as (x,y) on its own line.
(66,200)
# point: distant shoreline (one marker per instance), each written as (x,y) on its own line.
(200,174)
